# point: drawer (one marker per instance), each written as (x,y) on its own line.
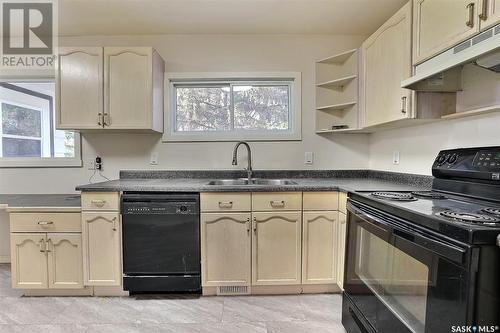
(101,201)
(225,202)
(321,200)
(343,202)
(277,201)
(45,222)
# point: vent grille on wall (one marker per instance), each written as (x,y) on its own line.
(233,290)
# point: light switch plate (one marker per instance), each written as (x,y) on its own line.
(308,157)
(154,158)
(395,157)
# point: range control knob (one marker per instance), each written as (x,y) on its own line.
(441,159)
(452,159)
(183,209)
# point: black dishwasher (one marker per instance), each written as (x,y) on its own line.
(161,242)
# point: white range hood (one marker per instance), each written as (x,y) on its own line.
(436,73)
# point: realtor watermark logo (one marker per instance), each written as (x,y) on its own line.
(475,329)
(29,34)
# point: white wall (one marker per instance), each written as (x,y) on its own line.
(419,145)
(211,53)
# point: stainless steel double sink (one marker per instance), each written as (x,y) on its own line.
(253,181)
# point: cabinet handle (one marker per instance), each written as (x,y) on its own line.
(99,119)
(49,245)
(107,119)
(255,225)
(403,104)
(98,203)
(470,21)
(277,204)
(225,204)
(114,224)
(42,245)
(45,222)
(484,11)
(248,225)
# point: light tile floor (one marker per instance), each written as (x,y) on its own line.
(179,314)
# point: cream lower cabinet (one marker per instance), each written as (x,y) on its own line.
(46,261)
(386,62)
(319,247)
(226,249)
(101,248)
(342,233)
(276,248)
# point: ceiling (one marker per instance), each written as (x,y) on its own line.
(135,17)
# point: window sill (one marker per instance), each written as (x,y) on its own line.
(27,162)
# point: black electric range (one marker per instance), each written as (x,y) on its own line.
(427,261)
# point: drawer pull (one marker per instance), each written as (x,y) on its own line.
(277,203)
(98,203)
(225,204)
(45,222)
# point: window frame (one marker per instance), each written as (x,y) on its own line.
(41,162)
(291,79)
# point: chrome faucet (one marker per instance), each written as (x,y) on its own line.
(249,155)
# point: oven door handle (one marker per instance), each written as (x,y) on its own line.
(440,247)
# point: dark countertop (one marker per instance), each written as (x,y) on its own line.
(39,200)
(200,185)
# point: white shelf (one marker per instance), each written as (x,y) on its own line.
(343,130)
(338,58)
(337,83)
(471,113)
(334,107)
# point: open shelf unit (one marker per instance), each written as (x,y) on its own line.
(337,92)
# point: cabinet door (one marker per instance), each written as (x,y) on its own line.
(441,24)
(276,248)
(489,13)
(319,247)
(128,87)
(29,261)
(79,91)
(386,62)
(101,249)
(65,261)
(342,230)
(225,249)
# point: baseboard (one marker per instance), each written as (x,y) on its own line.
(87,291)
(110,291)
(320,289)
(284,290)
(5,259)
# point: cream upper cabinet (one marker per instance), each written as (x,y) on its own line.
(101,248)
(225,249)
(276,248)
(29,261)
(441,24)
(79,88)
(110,88)
(65,268)
(386,62)
(489,13)
(342,233)
(319,247)
(132,95)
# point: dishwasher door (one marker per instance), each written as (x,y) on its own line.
(161,239)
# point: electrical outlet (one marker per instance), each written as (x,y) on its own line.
(395,157)
(308,157)
(98,163)
(91,164)
(154,158)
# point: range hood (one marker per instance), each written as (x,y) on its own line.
(443,72)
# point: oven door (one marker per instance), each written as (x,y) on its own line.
(400,278)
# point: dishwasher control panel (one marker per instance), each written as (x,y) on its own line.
(159,204)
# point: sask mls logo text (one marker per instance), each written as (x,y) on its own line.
(28,34)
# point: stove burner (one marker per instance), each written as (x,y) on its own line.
(429,195)
(469,217)
(492,211)
(394,196)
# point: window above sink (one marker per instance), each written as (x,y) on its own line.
(233,106)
